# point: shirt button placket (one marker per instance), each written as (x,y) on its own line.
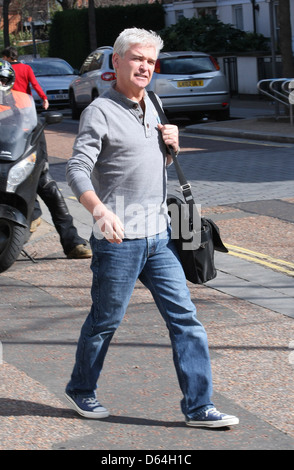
(147,129)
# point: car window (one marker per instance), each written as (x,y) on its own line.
(186,65)
(86,65)
(97,61)
(51,68)
(110,65)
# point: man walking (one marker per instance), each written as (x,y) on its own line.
(118,172)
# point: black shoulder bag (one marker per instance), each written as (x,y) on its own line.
(195,237)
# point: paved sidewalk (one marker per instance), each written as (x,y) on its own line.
(43,306)
(252,119)
(46,304)
(259,128)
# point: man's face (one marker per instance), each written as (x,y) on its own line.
(134,71)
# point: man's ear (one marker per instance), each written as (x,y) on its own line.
(115,60)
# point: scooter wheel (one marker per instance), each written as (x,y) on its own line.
(12,239)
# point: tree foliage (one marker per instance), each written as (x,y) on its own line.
(67,4)
(208,34)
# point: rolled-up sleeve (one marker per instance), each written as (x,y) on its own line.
(86,151)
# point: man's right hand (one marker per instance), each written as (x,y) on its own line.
(109,224)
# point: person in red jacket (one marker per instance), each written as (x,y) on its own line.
(24,75)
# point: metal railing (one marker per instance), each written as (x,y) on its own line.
(279,89)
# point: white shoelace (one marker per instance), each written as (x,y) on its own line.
(92,402)
(213,411)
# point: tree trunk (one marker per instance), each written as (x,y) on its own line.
(286,38)
(92,25)
(6,22)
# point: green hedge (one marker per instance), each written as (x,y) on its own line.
(68,38)
(69,32)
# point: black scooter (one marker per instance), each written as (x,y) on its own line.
(20,169)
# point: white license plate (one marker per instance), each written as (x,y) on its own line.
(63,96)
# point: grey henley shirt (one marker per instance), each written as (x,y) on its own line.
(119,153)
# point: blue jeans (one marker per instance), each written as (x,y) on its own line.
(116,269)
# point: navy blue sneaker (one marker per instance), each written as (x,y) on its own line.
(89,407)
(212,418)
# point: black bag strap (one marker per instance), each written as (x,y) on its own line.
(185,186)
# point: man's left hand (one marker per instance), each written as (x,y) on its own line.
(170,135)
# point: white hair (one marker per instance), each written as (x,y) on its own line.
(130,36)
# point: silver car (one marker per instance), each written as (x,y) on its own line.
(54,75)
(191,82)
(96,75)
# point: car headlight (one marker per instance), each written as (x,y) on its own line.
(20,172)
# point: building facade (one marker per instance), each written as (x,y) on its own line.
(247,15)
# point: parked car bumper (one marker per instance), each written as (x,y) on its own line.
(189,103)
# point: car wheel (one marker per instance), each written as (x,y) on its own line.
(95,95)
(222,115)
(196,115)
(75,111)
